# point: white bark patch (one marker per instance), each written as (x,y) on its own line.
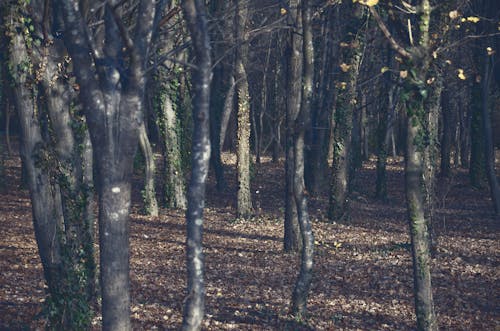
(115,189)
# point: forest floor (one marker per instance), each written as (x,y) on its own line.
(362,272)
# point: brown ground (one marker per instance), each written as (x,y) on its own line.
(362,278)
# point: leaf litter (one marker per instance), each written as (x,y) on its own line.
(362,273)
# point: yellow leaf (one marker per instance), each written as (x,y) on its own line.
(448,62)
(283,11)
(345,67)
(403,74)
(453,14)
(369,3)
(434,55)
(344,44)
(461,74)
(473,19)
(384,69)
(490,51)
(431,80)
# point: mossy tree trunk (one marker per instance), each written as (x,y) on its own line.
(244,201)
(351,54)
(57,158)
(174,191)
(415,90)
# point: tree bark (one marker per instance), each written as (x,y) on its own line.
(195,14)
(244,205)
(174,186)
(292,240)
(55,165)
(346,101)
(303,283)
(489,150)
(113,109)
(149,191)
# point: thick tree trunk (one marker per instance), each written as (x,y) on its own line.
(45,197)
(113,109)
(303,283)
(194,12)
(149,191)
(56,177)
(244,203)
(292,240)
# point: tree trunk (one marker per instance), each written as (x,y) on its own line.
(303,283)
(149,191)
(346,102)
(244,205)
(56,175)
(489,150)
(194,12)
(449,121)
(432,105)
(317,164)
(219,86)
(477,163)
(419,233)
(174,186)
(292,240)
(45,198)
(113,109)
(228,108)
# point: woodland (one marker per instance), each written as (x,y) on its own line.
(249,165)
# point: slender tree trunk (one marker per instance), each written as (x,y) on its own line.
(228,108)
(292,240)
(477,158)
(303,283)
(426,319)
(149,191)
(244,205)
(195,13)
(219,86)
(385,126)
(317,165)
(449,121)
(414,174)
(489,150)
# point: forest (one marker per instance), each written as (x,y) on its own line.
(249,164)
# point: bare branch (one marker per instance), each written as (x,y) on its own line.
(403,52)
